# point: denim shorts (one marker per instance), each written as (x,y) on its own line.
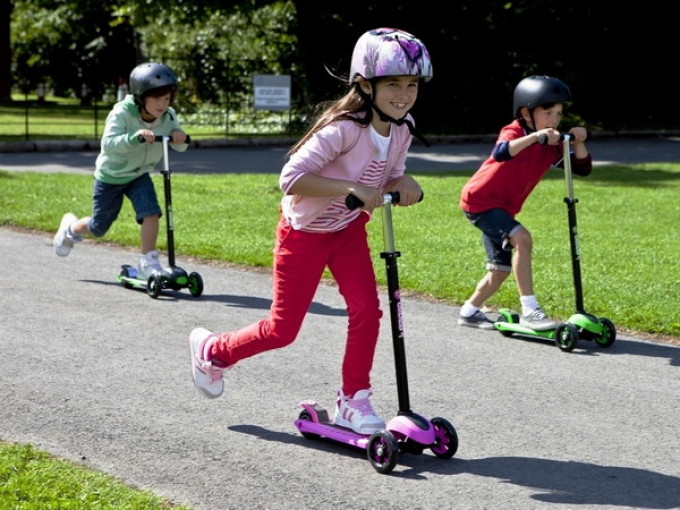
(108,199)
(496,226)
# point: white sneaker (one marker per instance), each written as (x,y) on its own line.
(207,377)
(62,243)
(148,264)
(356,413)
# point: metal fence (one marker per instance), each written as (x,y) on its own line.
(33,119)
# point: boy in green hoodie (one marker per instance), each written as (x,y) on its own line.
(124,163)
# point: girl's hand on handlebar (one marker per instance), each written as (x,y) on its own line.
(409,196)
(370,197)
(409,190)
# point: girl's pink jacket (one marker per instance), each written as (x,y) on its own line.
(341,150)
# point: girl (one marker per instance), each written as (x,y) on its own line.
(357,146)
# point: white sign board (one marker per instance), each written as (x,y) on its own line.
(272,92)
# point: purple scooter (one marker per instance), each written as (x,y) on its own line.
(408,432)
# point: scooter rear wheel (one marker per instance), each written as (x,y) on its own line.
(566,337)
(382,451)
(123,276)
(307,416)
(154,285)
(608,335)
(195,284)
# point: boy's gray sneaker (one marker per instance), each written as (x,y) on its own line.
(148,265)
(537,320)
(62,243)
(477,320)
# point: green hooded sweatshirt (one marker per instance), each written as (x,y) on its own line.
(123,158)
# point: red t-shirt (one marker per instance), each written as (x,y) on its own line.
(507,184)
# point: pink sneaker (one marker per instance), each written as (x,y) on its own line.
(207,377)
(356,413)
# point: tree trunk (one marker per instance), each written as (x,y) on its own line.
(5,52)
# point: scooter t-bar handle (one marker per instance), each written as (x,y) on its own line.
(353,202)
(543,138)
(159,138)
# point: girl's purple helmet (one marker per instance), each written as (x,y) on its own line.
(389,52)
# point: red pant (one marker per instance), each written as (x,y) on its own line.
(299,262)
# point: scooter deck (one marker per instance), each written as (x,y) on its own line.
(129,277)
(509,324)
(404,427)
(320,425)
(517,329)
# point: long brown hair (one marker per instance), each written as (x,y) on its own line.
(344,108)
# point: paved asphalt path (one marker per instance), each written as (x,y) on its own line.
(99,374)
(270,159)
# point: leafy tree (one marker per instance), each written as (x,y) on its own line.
(72,46)
(216,48)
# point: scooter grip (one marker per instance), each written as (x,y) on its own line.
(353,202)
(159,138)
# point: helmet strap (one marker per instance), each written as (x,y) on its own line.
(524,123)
(142,108)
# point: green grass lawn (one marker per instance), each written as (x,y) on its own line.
(626,219)
(30,479)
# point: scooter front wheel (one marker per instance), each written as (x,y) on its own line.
(382,451)
(195,284)
(446,438)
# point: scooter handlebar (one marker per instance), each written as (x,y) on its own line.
(159,138)
(353,202)
(543,138)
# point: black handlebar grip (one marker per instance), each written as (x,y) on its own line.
(353,202)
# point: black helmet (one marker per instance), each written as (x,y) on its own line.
(540,90)
(149,76)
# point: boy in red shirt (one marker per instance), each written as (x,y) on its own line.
(524,152)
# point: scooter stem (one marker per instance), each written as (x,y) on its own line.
(571,201)
(168,201)
(390,255)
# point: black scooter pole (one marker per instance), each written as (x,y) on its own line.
(167,192)
(390,256)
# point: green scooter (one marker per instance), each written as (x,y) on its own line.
(172,277)
(581,325)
